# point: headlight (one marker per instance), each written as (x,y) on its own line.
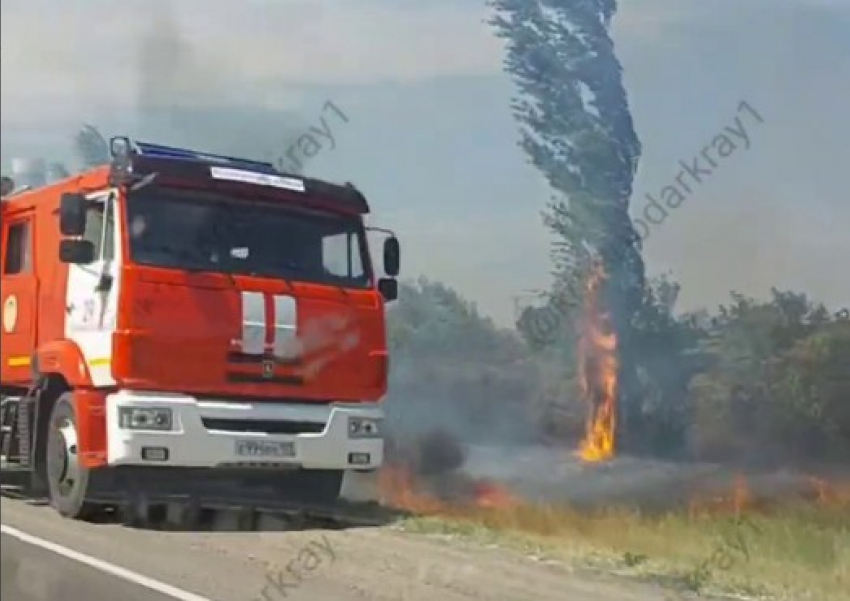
(365,427)
(144,418)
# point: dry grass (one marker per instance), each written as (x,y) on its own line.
(795,551)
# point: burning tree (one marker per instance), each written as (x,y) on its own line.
(597,372)
(576,128)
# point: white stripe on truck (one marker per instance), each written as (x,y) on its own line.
(253,323)
(285,327)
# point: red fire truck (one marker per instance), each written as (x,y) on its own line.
(181,323)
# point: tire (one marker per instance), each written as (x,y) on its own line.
(67,480)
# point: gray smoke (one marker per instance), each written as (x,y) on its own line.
(162,84)
(184,100)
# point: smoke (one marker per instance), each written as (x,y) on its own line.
(185,100)
(155,74)
(480,398)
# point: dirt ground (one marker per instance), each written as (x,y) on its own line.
(312,565)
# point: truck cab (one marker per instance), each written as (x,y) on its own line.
(178,319)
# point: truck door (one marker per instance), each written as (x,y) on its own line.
(18,290)
(92,294)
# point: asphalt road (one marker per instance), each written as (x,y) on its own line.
(29,572)
(48,558)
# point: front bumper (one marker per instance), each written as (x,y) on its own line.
(206,433)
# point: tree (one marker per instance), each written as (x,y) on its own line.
(671,355)
(576,128)
(91,147)
(454,368)
(754,381)
(777,384)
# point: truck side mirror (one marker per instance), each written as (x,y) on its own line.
(76,252)
(392,256)
(388,287)
(72,214)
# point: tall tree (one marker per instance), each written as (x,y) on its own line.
(576,128)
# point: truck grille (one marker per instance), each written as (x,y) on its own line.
(265,426)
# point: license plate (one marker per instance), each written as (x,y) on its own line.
(264,448)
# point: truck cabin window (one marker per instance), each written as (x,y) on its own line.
(18,249)
(100,230)
(208,232)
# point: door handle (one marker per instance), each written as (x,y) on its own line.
(105,283)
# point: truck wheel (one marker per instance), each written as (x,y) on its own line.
(67,480)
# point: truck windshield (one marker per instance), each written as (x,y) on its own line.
(209,232)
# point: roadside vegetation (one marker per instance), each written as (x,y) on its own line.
(797,551)
(755,382)
(757,385)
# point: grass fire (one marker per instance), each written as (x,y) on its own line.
(703,529)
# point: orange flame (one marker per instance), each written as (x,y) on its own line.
(830,493)
(735,499)
(742,498)
(489,495)
(400,488)
(597,372)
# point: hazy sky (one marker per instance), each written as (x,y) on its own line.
(430,138)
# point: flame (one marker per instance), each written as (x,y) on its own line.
(597,372)
(741,498)
(829,493)
(735,500)
(399,487)
(489,495)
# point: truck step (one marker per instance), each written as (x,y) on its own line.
(11,466)
(14,479)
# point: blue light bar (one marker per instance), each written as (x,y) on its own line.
(167,152)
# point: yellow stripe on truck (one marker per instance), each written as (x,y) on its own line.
(100,362)
(22,361)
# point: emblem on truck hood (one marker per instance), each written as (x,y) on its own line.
(268,368)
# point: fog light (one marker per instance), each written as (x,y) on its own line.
(155,453)
(359,458)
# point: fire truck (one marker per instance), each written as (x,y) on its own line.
(183,323)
